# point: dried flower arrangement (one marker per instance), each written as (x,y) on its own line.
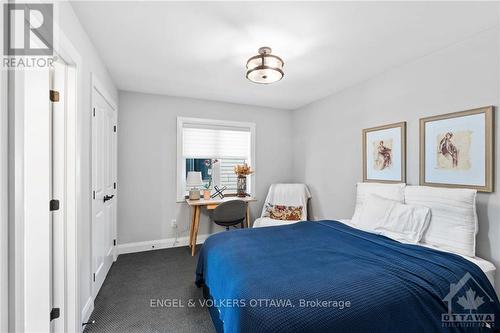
(243,170)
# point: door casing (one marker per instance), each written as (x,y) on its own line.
(63,80)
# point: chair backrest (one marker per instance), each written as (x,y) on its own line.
(230,211)
(288,195)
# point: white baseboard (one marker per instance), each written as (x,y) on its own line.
(157,244)
(87,311)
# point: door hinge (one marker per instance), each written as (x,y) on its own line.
(93,195)
(93,277)
(54,313)
(114,242)
(54,95)
(114,185)
(54,205)
(114,128)
(93,111)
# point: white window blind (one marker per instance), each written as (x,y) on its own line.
(215,142)
(227,175)
(227,142)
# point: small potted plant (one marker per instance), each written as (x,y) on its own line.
(242,171)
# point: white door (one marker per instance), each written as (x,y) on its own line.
(32,284)
(58,138)
(39,238)
(40,279)
(104,187)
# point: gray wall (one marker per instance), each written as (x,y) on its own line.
(327,133)
(147,160)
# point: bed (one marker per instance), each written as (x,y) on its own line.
(259,282)
(487,267)
(335,276)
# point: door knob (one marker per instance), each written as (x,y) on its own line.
(108,197)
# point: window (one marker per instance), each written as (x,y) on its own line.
(213,148)
(215,171)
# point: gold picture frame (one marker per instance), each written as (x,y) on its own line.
(451,152)
(401,153)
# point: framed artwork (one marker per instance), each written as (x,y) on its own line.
(384,153)
(456,150)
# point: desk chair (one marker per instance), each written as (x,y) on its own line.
(230,213)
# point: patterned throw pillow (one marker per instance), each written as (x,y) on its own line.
(284,213)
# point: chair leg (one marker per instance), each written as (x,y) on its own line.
(242,225)
(227,228)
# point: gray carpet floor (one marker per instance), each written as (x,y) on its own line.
(124,301)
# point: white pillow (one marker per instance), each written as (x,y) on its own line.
(453,226)
(389,191)
(374,212)
(390,218)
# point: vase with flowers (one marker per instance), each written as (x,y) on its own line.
(242,171)
(207,191)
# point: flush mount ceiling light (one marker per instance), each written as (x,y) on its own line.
(265,67)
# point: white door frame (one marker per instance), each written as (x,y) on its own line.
(64,189)
(4,288)
(100,88)
(65,49)
(73,186)
(4,222)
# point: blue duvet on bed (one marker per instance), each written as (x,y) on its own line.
(328,277)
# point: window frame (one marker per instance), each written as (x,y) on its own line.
(181,163)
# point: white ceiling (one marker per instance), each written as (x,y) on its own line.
(199,49)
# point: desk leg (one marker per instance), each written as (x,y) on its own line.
(192,227)
(248,217)
(195,230)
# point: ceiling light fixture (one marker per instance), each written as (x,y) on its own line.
(265,67)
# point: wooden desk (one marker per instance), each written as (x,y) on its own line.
(209,204)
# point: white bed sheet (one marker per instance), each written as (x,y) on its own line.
(269,222)
(487,267)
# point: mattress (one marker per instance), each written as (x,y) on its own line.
(487,267)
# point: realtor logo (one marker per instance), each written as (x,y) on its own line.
(465,300)
(28,29)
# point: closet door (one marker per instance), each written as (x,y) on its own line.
(104,188)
